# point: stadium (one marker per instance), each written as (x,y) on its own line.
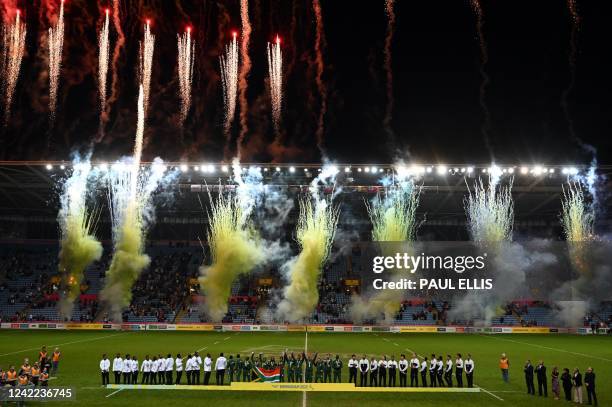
(310,234)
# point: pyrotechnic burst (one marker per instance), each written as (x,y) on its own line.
(316,227)
(103,45)
(320,64)
(229,80)
(484,59)
(56,45)
(576,217)
(490,212)
(147,47)
(389,6)
(235,246)
(186,55)
(79,247)
(275,69)
(393,219)
(13,37)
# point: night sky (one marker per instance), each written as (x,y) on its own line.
(436,117)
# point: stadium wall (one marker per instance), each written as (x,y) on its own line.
(299,328)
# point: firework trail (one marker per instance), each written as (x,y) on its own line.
(315,231)
(573,51)
(245,69)
(229,80)
(484,59)
(79,247)
(275,70)
(13,37)
(389,6)
(103,59)
(147,47)
(235,245)
(130,205)
(393,219)
(116,54)
(322,88)
(186,55)
(56,45)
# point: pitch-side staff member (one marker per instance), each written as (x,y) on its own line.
(414,371)
(433,366)
(179,368)
(117,368)
(104,368)
(424,372)
(459,370)
(220,365)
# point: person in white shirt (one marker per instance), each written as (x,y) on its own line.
(127,370)
(134,367)
(154,369)
(195,368)
(403,369)
(353,364)
(424,372)
(469,371)
(364,367)
(392,371)
(414,370)
(382,371)
(207,369)
(448,371)
(104,369)
(117,368)
(179,368)
(459,370)
(145,368)
(433,366)
(440,371)
(161,370)
(373,372)
(189,369)
(220,365)
(169,367)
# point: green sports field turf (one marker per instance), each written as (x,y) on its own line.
(82,350)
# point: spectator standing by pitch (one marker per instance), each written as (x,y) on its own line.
(566,380)
(529,377)
(117,368)
(469,371)
(577,382)
(542,381)
(589,381)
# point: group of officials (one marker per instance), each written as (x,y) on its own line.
(569,382)
(383,372)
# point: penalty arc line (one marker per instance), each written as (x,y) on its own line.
(115,392)
(491,394)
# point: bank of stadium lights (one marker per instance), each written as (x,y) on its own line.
(224,168)
(442,169)
(292,169)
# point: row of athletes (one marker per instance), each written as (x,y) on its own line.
(382,372)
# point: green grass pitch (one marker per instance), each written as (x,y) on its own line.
(82,351)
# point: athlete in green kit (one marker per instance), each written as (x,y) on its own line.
(282,361)
(291,368)
(309,366)
(299,362)
(327,369)
(337,369)
(246,370)
(320,369)
(231,368)
(239,367)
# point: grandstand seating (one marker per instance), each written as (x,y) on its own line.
(163,291)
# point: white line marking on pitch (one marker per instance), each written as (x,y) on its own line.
(115,392)
(64,344)
(547,347)
(491,394)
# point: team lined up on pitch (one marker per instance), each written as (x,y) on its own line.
(382,372)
